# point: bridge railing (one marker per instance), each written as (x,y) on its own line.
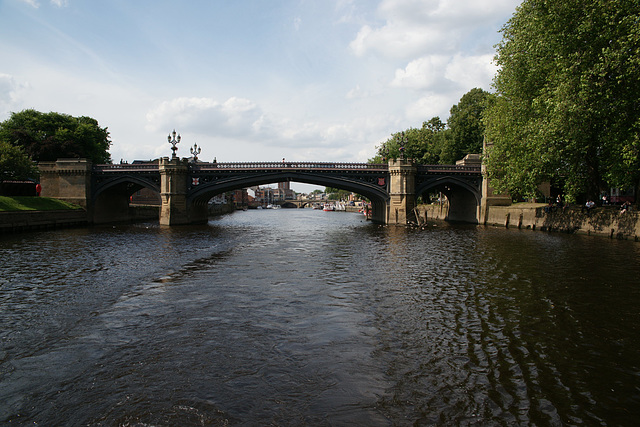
(448,168)
(202,166)
(289,165)
(123,167)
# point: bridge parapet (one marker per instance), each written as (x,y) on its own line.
(289,165)
(127,167)
(448,169)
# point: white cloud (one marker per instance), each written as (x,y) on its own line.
(441,49)
(10,93)
(413,27)
(421,73)
(399,40)
(358,93)
(439,71)
(7,88)
(233,117)
(36,4)
(471,71)
(32,3)
(430,105)
(242,123)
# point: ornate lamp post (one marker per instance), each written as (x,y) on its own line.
(195,150)
(173,143)
(403,140)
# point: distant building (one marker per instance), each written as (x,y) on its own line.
(145,196)
(240,198)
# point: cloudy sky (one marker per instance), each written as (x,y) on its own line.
(248,80)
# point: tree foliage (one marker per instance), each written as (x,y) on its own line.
(567,108)
(465,132)
(50,136)
(336,193)
(439,143)
(15,164)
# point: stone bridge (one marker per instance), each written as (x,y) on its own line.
(185,187)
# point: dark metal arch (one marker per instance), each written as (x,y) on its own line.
(105,185)
(444,180)
(208,190)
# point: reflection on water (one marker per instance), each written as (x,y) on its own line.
(293,317)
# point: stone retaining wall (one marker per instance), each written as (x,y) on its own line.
(12,222)
(602,221)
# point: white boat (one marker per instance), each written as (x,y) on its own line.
(328,208)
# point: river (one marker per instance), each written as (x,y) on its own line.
(303,317)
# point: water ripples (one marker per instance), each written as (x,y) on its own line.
(305,317)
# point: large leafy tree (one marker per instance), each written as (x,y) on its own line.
(465,132)
(50,136)
(568,98)
(15,164)
(421,144)
(439,143)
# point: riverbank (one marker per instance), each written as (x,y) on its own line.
(604,221)
(23,213)
(20,221)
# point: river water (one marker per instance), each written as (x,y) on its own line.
(302,317)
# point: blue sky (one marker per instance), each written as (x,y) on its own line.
(248,80)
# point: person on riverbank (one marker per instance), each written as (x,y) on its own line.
(588,207)
(626,207)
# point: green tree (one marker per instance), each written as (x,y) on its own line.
(336,193)
(49,136)
(465,132)
(420,144)
(568,104)
(439,143)
(15,164)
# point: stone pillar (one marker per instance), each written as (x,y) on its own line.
(173,191)
(489,197)
(402,191)
(68,180)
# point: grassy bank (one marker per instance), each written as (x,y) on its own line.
(12,204)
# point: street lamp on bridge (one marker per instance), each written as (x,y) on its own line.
(195,150)
(173,143)
(403,140)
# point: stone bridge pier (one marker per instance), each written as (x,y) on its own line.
(174,174)
(176,207)
(402,192)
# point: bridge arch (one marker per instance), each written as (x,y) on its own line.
(464,196)
(199,195)
(110,197)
